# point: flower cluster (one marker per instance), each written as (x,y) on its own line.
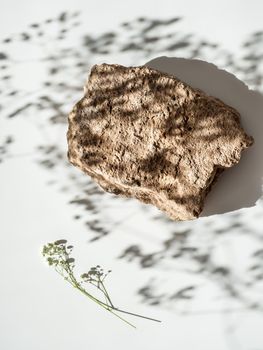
(95,274)
(58,253)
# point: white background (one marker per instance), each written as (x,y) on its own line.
(38,310)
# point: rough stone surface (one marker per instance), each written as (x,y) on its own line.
(141,133)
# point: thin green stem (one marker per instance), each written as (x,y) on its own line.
(77,285)
(137,315)
(123,319)
(107,295)
(105,306)
(58,256)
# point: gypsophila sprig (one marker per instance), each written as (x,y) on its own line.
(58,254)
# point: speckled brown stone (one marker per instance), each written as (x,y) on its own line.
(142,133)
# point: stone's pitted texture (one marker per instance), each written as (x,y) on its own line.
(142,133)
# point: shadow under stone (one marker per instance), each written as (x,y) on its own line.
(240,186)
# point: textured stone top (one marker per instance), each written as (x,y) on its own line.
(142,133)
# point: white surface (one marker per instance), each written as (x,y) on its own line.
(38,309)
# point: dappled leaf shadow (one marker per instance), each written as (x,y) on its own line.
(47,107)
